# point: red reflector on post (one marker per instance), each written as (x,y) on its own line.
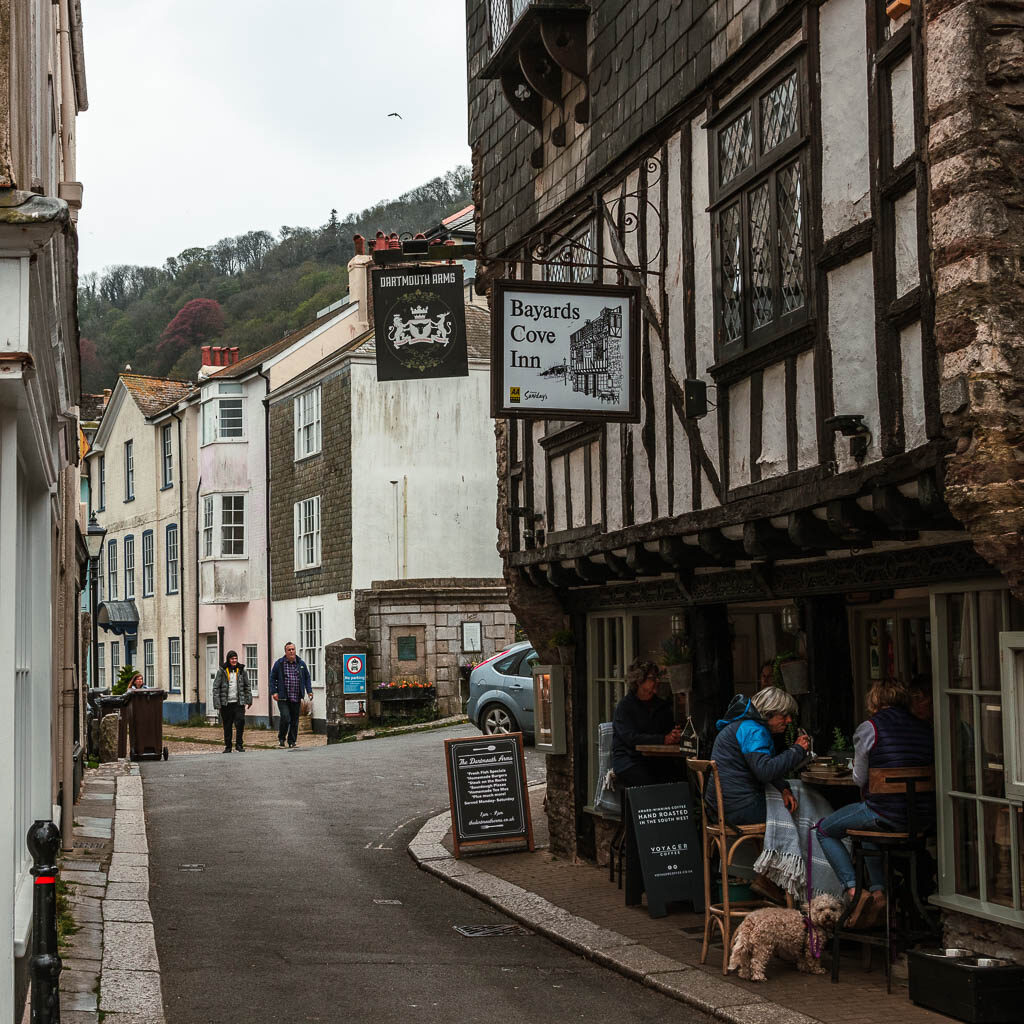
(46,880)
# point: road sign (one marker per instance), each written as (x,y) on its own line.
(354,674)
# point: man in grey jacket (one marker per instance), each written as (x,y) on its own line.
(232,694)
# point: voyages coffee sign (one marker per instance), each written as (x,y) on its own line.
(565,351)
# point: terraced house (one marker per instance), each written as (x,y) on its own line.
(142,482)
(819,207)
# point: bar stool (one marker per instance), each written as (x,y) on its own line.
(891,847)
(726,839)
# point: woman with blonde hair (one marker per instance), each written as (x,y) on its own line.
(891,738)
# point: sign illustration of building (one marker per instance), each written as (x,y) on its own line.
(595,356)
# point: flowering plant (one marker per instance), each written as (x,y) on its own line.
(411,684)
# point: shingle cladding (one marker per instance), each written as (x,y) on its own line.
(646,58)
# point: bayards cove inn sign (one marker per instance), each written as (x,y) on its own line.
(565,351)
(419,321)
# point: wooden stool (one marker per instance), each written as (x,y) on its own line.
(726,839)
(890,846)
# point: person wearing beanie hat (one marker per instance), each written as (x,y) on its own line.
(232,694)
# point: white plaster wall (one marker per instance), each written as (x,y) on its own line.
(739,434)
(851,326)
(911,358)
(595,481)
(901,83)
(806,414)
(337,621)
(613,449)
(845,177)
(558,522)
(703,298)
(908,276)
(577,481)
(773,459)
(438,435)
(309,350)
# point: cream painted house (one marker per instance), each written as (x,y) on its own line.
(142,470)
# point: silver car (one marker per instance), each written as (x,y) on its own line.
(501,692)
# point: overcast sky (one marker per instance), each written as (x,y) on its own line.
(211,119)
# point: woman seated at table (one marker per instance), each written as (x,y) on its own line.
(891,738)
(744,751)
(641,718)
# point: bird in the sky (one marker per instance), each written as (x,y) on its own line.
(395,113)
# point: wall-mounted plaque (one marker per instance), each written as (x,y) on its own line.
(565,351)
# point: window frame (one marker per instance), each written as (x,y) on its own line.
(167,456)
(172,563)
(129,567)
(149,662)
(252,666)
(129,470)
(112,588)
(299,522)
(587,272)
(220,526)
(314,425)
(947,896)
(174,644)
(211,412)
(101,490)
(101,666)
(150,590)
(115,661)
(313,663)
(764,169)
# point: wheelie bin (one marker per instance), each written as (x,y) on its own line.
(145,711)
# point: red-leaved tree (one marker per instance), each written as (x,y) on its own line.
(196,323)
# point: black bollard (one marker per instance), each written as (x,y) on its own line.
(44,966)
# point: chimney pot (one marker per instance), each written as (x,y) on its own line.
(234,353)
(380,241)
(206,355)
(106,397)
(419,234)
(218,355)
(359,244)
(394,242)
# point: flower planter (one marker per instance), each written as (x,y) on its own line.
(410,693)
(680,677)
(794,676)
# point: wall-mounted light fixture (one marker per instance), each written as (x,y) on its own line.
(791,619)
(853,427)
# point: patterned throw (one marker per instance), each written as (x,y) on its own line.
(784,857)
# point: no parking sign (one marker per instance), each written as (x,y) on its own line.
(354,675)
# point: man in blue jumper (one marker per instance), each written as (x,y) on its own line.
(289,682)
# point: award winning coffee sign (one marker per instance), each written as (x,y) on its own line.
(565,351)
(662,848)
(487,791)
(419,321)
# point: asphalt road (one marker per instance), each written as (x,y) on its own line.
(284,923)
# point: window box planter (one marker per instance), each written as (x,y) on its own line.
(422,694)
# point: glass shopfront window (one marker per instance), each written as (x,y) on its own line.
(980,824)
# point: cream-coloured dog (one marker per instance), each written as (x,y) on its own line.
(782,932)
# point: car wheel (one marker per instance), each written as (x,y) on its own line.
(498,719)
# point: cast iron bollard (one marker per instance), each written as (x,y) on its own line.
(43,843)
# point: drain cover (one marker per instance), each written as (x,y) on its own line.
(484,931)
(191,867)
(89,844)
(388,903)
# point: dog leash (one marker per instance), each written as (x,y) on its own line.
(814,937)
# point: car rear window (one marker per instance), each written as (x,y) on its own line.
(530,658)
(505,665)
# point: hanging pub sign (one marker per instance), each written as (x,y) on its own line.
(419,321)
(565,351)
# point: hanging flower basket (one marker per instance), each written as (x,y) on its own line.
(795,676)
(680,677)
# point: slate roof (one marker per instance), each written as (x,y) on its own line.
(252,362)
(90,408)
(155,394)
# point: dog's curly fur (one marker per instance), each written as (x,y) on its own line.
(779,931)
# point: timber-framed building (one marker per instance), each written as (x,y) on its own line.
(818,203)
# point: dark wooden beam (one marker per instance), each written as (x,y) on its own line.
(810,533)
(592,572)
(762,574)
(537,575)
(896,510)
(850,522)
(674,552)
(618,567)
(762,540)
(684,581)
(719,547)
(643,562)
(560,577)
(933,504)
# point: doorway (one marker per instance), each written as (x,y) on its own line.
(212,666)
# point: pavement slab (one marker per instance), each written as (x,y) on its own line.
(130,946)
(130,842)
(128,873)
(127,891)
(78,981)
(77,1001)
(132,992)
(127,910)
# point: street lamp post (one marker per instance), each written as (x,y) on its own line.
(94,537)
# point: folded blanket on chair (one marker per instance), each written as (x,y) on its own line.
(784,856)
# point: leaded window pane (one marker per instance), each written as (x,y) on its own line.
(760,256)
(732,273)
(791,237)
(735,146)
(779,112)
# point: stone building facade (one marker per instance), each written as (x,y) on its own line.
(432,630)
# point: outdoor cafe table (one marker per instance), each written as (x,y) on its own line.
(659,750)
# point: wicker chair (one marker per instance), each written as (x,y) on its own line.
(727,839)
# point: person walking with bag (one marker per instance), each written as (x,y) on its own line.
(232,694)
(289,684)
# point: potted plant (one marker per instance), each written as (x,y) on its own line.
(678,661)
(842,749)
(790,672)
(565,643)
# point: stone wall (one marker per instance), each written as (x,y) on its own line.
(433,611)
(975,111)
(961,931)
(328,474)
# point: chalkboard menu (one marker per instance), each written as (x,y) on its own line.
(487,790)
(663,853)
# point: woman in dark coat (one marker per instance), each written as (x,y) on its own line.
(641,717)
(232,694)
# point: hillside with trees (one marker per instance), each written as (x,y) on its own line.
(247,291)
